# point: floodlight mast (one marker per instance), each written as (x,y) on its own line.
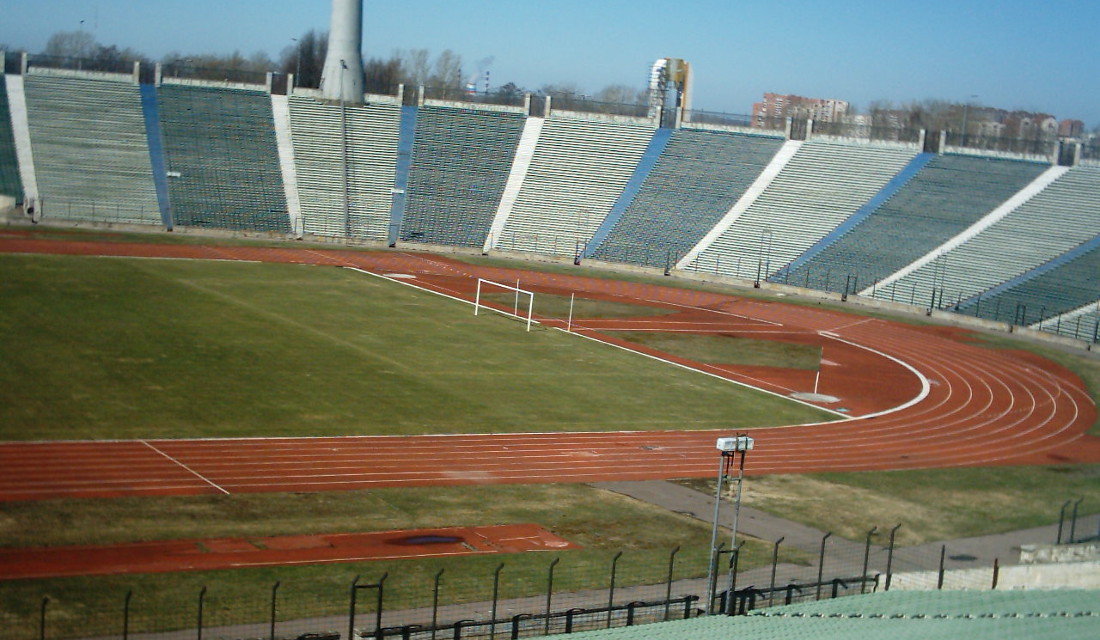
(729,448)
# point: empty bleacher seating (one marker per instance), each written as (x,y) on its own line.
(1054,221)
(579,169)
(222,159)
(90,150)
(372,133)
(822,185)
(948,195)
(700,175)
(1051,290)
(460,164)
(10,184)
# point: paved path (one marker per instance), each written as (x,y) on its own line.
(843,557)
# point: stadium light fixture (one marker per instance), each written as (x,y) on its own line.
(732,450)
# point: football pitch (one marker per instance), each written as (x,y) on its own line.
(125,348)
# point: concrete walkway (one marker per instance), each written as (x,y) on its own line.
(842,557)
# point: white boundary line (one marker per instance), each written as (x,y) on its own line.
(418,288)
(724,379)
(706,373)
(925,385)
(189,469)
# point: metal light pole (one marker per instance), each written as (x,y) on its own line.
(298,62)
(768,259)
(344,153)
(966,110)
(729,448)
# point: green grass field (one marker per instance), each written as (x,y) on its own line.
(126,348)
(129,348)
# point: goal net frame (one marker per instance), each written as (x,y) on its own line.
(508,287)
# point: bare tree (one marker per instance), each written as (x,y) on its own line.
(447,71)
(71,44)
(207,66)
(510,91)
(416,65)
(305,58)
(382,76)
(561,90)
(621,94)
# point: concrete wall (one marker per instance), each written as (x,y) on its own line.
(1049,553)
(1071,575)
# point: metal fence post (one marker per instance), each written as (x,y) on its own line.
(569,615)
(126,615)
(435,603)
(516,619)
(202,600)
(378,615)
(866,560)
(821,565)
(549,594)
(775,563)
(1073,522)
(355,587)
(943,555)
(496,596)
(351,607)
(274,596)
(668,590)
(1062,519)
(611,589)
(890,557)
(42,618)
(734,560)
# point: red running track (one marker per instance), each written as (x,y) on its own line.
(922,398)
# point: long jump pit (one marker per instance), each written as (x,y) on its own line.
(240,553)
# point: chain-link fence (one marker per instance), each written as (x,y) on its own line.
(506,596)
(470,598)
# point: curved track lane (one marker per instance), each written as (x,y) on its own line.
(926,399)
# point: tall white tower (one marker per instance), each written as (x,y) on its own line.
(342,77)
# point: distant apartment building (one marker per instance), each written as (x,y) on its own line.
(776,107)
(1071,128)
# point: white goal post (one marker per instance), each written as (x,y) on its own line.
(508,287)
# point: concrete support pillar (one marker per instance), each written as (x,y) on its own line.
(342,76)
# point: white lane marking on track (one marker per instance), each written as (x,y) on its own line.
(189,469)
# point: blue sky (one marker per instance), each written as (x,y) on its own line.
(1007,53)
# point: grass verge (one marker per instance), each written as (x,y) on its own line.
(932,504)
(604,523)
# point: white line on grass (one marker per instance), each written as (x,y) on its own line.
(709,310)
(713,375)
(189,469)
(652,357)
(421,288)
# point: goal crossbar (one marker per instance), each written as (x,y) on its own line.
(508,287)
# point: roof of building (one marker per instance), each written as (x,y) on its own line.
(898,615)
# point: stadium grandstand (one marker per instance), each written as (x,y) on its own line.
(1004,238)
